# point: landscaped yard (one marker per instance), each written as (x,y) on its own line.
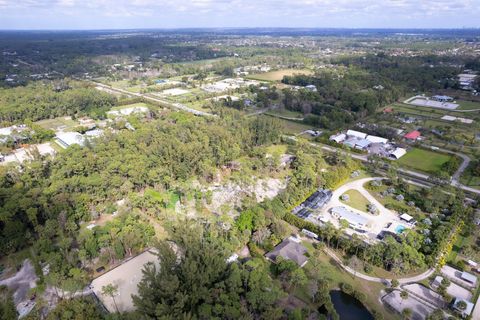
(356,200)
(279,74)
(424,160)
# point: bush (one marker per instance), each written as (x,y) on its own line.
(368,268)
(360,296)
(377,315)
(347,288)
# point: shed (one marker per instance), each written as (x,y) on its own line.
(338,138)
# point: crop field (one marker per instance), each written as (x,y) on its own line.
(424,160)
(279,74)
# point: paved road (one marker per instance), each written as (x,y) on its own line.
(177,106)
(422,176)
(360,275)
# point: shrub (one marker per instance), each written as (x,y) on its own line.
(368,268)
(347,288)
(360,296)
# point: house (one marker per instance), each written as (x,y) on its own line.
(413,135)
(464,312)
(388,110)
(338,138)
(311,88)
(289,249)
(470,278)
(355,221)
(397,153)
(66,139)
(356,134)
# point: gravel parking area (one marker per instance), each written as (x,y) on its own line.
(419,309)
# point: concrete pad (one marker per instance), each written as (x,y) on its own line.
(419,309)
(127,277)
(453,289)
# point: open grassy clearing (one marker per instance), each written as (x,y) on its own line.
(356,200)
(279,74)
(424,160)
(470,180)
(277,148)
(65,123)
(285,113)
(293,127)
(468,105)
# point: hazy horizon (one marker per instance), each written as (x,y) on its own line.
(168,14)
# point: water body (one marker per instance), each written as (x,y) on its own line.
(349,308)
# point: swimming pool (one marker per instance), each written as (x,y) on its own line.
(399,229)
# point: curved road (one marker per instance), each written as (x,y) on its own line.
(360,275)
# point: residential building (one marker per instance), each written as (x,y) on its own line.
(413,135)
(356,221)
(289,249)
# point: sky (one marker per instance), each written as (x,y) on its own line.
(123,14)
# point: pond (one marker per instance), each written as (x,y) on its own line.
(349,308)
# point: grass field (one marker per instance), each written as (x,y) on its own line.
(468,105)
(279,74)
(424,160)
(292,127)
(65,123)
(356,201)
(286,113)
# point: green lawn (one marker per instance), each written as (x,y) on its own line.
(468,105)
(286,113)
(57,123)
(356,201)
(293,127)
(424,160)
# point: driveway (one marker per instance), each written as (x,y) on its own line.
(376,223)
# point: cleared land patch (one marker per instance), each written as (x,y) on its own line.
(279,74)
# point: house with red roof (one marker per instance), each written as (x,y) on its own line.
(413,135)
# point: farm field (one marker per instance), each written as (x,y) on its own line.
(279,74)
(424,160)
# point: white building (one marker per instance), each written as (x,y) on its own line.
(338,138)
(398,153)
(356,134)
(66,139)
(375,139)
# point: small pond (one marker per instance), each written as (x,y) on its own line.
(349,308)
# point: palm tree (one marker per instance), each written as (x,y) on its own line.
(111,290)
(407,313)
(404,296)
